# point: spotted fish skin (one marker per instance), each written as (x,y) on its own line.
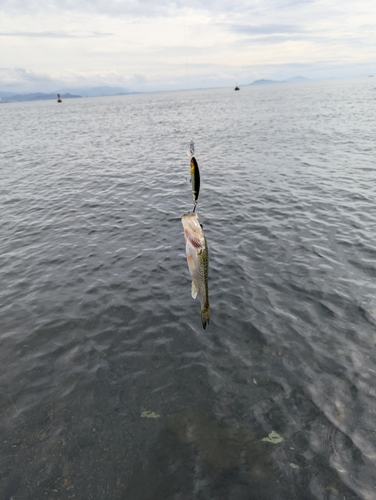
(195,178)
(198,262)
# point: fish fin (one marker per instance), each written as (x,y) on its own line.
(205,316)
(194,290)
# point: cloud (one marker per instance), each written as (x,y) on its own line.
(143,8)
(64,42)
(25,80)
(54,34)
(22,75)
(18,79)
(265,29)
(147,8)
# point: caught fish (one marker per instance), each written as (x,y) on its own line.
(198,262)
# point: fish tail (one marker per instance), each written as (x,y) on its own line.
(205,315)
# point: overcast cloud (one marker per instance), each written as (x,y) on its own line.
(144,45)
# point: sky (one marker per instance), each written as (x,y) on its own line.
(159,45)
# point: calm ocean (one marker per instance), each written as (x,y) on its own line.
(109,387)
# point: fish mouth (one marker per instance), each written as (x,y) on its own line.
(190,221)
(193,230)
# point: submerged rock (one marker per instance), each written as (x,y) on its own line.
(273,437)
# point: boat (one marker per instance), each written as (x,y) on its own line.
(237,88)
(58,98)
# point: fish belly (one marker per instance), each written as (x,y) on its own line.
(193,265)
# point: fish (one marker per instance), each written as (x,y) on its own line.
(195,179)
(198,262)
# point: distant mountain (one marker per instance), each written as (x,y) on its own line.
(264,82)
(290,80)
(97,91)
(65,93)
(37,96)
(6,95)
(298,79)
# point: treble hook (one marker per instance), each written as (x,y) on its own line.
(194,206)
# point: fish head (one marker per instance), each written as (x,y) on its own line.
(193,231)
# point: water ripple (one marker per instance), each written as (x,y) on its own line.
(98,323)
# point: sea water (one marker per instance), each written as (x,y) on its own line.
(109,386)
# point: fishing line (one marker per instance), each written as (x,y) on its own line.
(185,47)
(194,170)
(188,83)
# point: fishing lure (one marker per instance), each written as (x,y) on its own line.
(195,179)
(195,174)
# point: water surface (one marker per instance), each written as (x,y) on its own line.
(98,325)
